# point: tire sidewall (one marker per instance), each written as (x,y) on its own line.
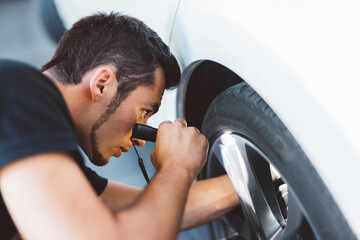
(241,110)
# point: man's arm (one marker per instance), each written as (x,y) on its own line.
(207,199)
(117,196)
(49,197)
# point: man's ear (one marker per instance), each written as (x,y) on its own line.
(102,80)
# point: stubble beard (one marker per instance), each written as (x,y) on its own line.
(97,158)
(122,93)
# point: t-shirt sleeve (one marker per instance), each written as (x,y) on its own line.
(34,118)
(98,183)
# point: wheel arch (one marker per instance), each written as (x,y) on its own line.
(200,83)
(204,32)
(193,100)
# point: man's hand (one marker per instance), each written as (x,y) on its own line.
(50,183)
(179,147)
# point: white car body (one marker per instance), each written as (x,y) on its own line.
(302,58)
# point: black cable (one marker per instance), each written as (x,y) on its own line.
(141,164)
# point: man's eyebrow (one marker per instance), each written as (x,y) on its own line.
(155,107)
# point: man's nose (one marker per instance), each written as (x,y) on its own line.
(138,142)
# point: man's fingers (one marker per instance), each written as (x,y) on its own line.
(182,121)
(180,146)
(153,160)
(166,122)
(196,129)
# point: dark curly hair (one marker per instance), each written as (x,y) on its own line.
(123,41)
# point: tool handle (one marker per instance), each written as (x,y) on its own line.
(144,132)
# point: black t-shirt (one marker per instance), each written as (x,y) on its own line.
(34,119)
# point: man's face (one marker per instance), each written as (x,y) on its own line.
(113,137)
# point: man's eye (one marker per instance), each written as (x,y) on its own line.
(146,113)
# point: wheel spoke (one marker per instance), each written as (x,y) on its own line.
(231,151)
(296,220)
(262,170)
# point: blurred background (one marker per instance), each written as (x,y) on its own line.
(23,37)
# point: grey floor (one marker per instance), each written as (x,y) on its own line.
(22,37)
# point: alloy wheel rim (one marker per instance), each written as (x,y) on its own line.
(266,208)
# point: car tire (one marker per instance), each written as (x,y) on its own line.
(281,194)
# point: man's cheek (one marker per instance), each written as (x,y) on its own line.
(130,122)
(124,128)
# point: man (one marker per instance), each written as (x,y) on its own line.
(108,73)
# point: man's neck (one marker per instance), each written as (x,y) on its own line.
(70,92)
(75,99)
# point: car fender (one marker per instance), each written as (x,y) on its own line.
(164,10)
(288,53)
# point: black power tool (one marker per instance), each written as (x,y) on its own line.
(144,132)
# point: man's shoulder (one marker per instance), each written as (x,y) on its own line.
(33,114)
(18,74)
(22,83)
(12,68)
